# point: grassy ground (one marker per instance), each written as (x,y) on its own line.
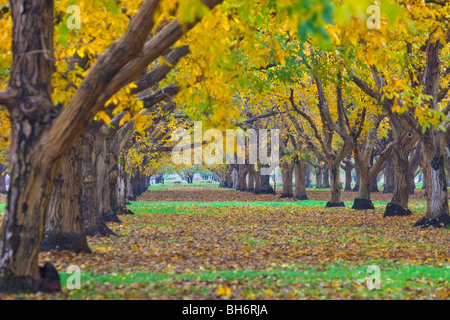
(211,243)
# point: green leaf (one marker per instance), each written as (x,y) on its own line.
(113,7)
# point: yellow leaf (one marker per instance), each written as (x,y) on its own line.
(124,119)
(101,115)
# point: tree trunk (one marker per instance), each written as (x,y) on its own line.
(374,184)
(433,148)
(300,181)
(265,187)
(31,182)
(93,222)
(64,229)
(437,213)
(399,202)
(358,179)
(32,160)
(242,177)
(251,178)
(348,178)
(3,179)
(363,202)
(308,182)
(326,178)
(286,176)
(235,184)
(103,162)
(319,184)
(389,176)
(336,188)
(121,187)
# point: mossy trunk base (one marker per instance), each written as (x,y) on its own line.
(111,217)
(286,195)
(440,222)
(99,230)
(362,204)
(393,210)
(333,204)
(68,241)
(267,190)
(301,197)
(48,281)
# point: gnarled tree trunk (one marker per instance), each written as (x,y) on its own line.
(336,188)
(437,213)
(64,229)
(389,176)
(286,176)
(3,179)
(264,181)
(93,222)
(300,180)
(399,202)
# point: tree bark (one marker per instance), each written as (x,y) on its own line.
(265,187)
(437,213)
(308,182)
(433,148)
(242,177)
(348,177)
(286,176)
(251,178)
(64,229)
(336,188)
(319,183)
(300,180)
(358,179)
(3,179)
(389,176)
(92,215)
(32,166)
(326,178)
(363,202)
(400,196)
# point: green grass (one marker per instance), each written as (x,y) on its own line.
(169,184)
(303,281)
(180,207)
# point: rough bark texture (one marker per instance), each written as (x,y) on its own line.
(363,202)
(433,147)
(286,176)
(348,176)
(32,169)
(400,195)
(357,182)
(308,181)
(389,176)
(300,180)
(251,178)
(2,179)
(94,224)
(242,177)
(336,188)
(64,229)
(326,178)
(319,183)
(265,187)
(437,213)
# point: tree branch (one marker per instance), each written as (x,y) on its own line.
(153,77)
